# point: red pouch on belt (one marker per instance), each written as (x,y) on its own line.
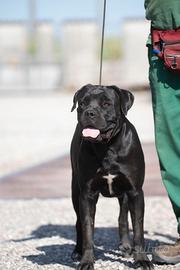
(166,45)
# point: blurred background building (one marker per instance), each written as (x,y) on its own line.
(39,55)
(28,62)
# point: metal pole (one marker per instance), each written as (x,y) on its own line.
(32,16)
(102,42)
(31,29)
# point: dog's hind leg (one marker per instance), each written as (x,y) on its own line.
(77,253)
(125,244)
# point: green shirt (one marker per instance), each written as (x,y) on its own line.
(164,14)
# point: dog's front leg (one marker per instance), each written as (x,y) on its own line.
(125,244)
(87,214)
(136,206)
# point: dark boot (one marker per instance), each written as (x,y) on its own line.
(167,254)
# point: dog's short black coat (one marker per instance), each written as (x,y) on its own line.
(111,164)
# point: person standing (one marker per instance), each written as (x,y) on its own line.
(165,89)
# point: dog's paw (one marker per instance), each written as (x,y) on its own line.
(86,266)
(143,262)
(87,261)
(125,249)
(144,265)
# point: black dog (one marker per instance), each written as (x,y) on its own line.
(107,158)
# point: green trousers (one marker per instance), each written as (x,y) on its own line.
(165,88)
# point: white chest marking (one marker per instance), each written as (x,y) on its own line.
(109,178)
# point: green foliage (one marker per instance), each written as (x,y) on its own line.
(112,48)
(32,47)
(57,49)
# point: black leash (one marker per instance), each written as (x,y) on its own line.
(102,43)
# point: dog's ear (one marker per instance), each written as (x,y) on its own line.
(75,99)
(126,98)
(78,95)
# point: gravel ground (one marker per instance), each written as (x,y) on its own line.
(39,234)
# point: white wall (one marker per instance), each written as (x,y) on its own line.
(135,62)
(45,41)
(44,77)
(80,64)
(13,42)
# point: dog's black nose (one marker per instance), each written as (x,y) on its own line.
(90,113)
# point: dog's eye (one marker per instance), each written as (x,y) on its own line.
(81,104)
(106,104)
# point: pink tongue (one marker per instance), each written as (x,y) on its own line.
(88,132)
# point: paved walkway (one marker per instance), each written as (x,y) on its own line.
(53,179)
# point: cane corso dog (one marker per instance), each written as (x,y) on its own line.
(107,158)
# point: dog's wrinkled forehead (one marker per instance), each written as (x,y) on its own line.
(91,93)
(98,93)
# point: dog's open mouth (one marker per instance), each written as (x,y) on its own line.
(91,133)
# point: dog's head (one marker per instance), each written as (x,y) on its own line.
(101,110)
